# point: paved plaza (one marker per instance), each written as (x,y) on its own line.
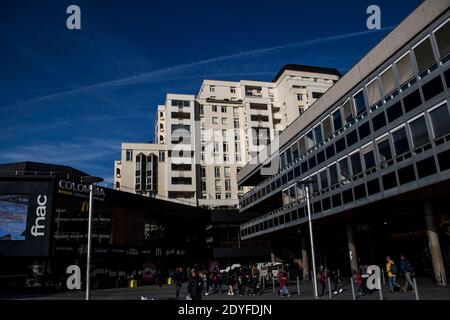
(427,291)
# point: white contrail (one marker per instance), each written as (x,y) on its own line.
(161,73)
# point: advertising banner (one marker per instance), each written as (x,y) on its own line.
(25,217)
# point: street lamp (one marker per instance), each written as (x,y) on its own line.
(306,183)
(91,180)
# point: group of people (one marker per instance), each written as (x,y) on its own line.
(406,270)
(334,276)
(239,281)
(392,271)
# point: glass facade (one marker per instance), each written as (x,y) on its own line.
(390,130)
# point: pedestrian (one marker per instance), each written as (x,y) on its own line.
(231,283)
(391,270)
(284,291)
(336,280)
(359,283)
(323,280)
(362,279)
(178,279)
(195,286)
(215,282)
(407,270)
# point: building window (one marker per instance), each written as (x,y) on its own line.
(232,89)
(334,179)
(344,170)
(227,195)
(347,111)
(318,134)
(214,108)
(225,147)
(129,155)
(223,109)
(181,180)
(202,110)
(355,159)
(180,103)
(337,120)
(384,149)
(215,120)
(203,186)
(309,140)
(225,121)
(294,149)
(323,179)
(227,172)
(203,172)
(236,123)
(419,132)
(237,135)
(379,121)
(217,172)
(317,95)
(360,104)
(442,36)
(218,196)
(404,69)
(162,156)
(212,88)
(299,97)
(424,55)
(400,141)
(387,79)
(227,185)
(238,157)
(440,121)
(237,147)
(368,156)
(327,130)
(373,92)
(218,185)
(216,149)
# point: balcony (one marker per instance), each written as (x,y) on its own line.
(180,115)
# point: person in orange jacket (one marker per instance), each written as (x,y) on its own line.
(391,270)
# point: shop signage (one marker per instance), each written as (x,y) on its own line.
(38,229)
(81,188)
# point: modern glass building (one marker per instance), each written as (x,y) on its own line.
(377,146)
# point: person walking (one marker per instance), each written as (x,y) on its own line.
(178,279)
(284,292)
(407,270)
(322,276)
(391,270)
(195,286)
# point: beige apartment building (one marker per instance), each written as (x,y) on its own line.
(202,141)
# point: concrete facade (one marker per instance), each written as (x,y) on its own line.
(219,130)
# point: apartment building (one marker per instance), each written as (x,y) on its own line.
(374,152)
(204,140)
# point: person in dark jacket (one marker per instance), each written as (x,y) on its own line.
(408,271)
(178,279)
(195,286)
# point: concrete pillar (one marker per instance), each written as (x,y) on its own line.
(305,261)
(352,252)
(435,246)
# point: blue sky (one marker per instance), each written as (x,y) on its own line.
(71,97)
